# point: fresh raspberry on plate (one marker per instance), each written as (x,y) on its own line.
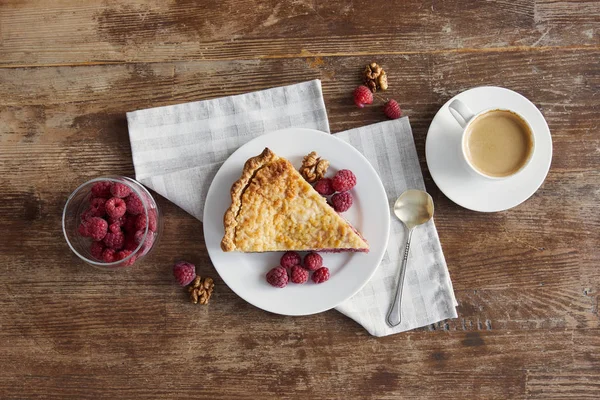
(115,207)
(313,261)
(392,109)
(102,189)
(97,206)
(277,277)
(321,275)
(343,181)
(324,187)
(184,272)
(108,255)
(134,204)
(362,95)
(96,228)
(114,241)
(298,274)
(289,259)
(341,201)
(120,190)
(96,250)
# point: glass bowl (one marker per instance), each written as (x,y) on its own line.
(140,235)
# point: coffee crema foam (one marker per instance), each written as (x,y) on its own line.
(498,143)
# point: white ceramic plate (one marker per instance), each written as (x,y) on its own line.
(467,189)
(245,273)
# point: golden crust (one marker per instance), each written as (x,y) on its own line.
(274,209)
(250,167)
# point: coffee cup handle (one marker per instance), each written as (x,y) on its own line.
(461,113)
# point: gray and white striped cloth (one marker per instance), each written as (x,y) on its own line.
(178,149)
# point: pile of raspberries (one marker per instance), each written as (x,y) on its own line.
(339,187)
(116,222)
(291,268)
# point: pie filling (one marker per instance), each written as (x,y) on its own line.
(274,209)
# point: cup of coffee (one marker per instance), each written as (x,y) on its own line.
(496,143)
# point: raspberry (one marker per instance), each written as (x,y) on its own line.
(87,214)
(96,228)
(324,187)
(299,274)
(114,240)
(277,277)
(101,189)
(108,255)
(313,261)
(289,259)
(114,227)
(362,95)
(96,250)
(97,206)
(140,222)
(120,190)
(130,243)
(124,254)
(115,207)
(134,204)
(343,181)
(152,220)
(83,230)
(184,272)
(121,220)
(137,239)
(321,275)
(341,201)
(392,109)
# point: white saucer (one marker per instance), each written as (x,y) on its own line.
(464,187)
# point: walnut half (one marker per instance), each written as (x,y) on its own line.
(313,167)
(375,77)
(201,289)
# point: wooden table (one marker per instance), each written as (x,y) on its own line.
(526,280)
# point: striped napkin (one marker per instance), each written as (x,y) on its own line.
(178,149)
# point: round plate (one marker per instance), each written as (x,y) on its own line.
(245,273)
(465,188)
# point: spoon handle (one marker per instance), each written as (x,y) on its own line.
(394,316)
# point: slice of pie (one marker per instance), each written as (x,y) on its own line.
(274,209)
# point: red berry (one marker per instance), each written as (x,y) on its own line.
(97,206)
(134,204)
(341,201)
(343,181)
(114,227)
(289,259)
(115,207)
(321,275)
(313,261)
(96,228)
(83,230)
(96,250)
(120,255)
(362,95)
(277,277)
(140,222)
(120,190)
(108,255)
(129,225)
(101,189)
(114,240)
(130,243)
(152,220)
(324,187)
(299,274)
(392,109)
(184,272)
(121,220)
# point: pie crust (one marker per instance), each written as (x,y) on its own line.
(274,209)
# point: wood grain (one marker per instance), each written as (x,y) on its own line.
(527,280)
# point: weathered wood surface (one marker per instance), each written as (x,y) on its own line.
(527,280)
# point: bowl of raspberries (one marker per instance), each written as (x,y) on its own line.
(111,222)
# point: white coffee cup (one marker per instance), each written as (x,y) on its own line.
(465,118)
